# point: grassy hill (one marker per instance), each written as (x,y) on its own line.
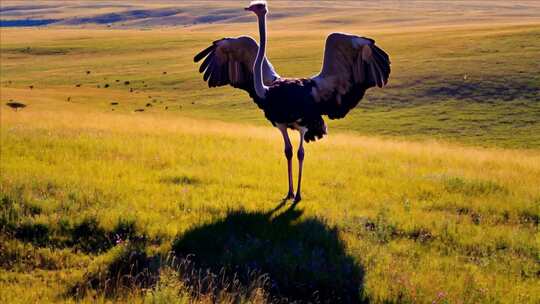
(427,192)
(469,84)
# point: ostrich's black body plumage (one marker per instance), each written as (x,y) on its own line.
(289,101)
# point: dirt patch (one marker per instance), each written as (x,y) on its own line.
(422,90)
(41,51)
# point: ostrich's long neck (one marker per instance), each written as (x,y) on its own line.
(260,88)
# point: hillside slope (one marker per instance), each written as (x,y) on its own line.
(421,221)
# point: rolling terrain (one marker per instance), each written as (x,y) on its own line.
(126,179)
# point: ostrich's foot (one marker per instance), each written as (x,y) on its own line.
(289,196)
(297,198)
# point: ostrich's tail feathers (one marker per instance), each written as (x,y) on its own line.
(316,128)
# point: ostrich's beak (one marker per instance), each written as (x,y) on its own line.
(247,9)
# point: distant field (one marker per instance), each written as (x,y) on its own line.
(123,162)
(164,13)
(472,84)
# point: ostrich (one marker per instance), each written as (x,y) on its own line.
(351,65)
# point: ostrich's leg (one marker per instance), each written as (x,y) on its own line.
(288,155)
(300,165)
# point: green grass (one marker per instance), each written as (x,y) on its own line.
(427,192)
(422,218)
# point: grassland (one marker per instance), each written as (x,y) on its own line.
(466,85)
(427,193)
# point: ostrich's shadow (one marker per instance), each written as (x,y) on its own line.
(305,259)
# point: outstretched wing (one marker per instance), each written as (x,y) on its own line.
(230,61)
(352,64)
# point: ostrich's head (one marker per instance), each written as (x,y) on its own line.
(259,7)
